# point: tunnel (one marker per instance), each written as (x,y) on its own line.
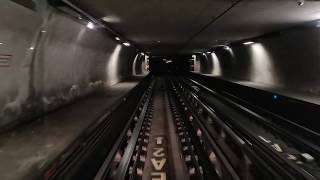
(160,90)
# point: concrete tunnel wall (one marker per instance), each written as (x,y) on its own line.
(288,60)
(48,59)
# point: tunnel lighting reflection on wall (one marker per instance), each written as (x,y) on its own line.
(90,25)
(248,42)
(126,44)
(217,71)
(112,66)
(262,67)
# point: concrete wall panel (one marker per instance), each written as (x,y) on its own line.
(54,59)
(289,60)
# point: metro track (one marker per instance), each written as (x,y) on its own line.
(291,156)
(180,129)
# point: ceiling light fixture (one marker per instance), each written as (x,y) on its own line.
(300,2)
(90,25)
(1,43)
(126,44)
(226,48)
(117,38)
(208,52)
(248,42)
(111,19)
(31,48)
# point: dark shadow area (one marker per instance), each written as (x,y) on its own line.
(170,65)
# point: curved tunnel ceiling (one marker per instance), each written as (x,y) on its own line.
(170,26)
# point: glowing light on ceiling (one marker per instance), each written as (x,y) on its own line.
(248,43)
(90,25)
(227,48)
(1,43)
(117,38)
(31,48)
(126,44)
(111,19)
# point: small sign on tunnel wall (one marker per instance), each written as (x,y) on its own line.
(5,60)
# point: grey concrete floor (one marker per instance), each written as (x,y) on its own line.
(29,148)
(293,93)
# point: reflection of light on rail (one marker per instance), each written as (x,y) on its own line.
(262,69)
(112,66)
(216,65)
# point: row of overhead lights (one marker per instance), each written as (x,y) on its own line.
(124,43)
(227,47)
(91,25)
